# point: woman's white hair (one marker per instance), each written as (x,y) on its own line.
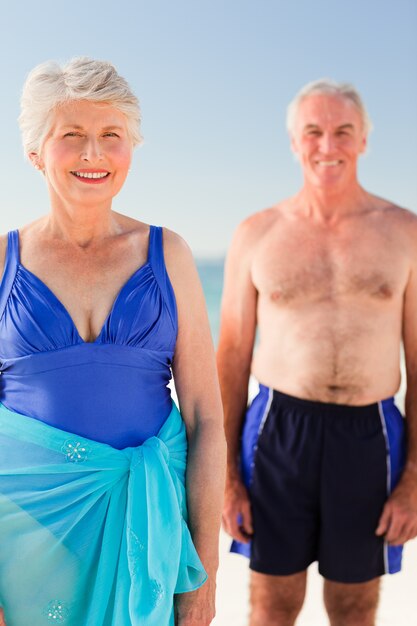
(329,87)
(50,85)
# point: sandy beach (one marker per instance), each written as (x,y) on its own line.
(398,599)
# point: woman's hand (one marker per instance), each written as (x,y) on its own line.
(2,622)
(196,608)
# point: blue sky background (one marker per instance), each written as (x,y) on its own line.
(214,78)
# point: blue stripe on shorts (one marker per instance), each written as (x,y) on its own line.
(394,433)
(256,415)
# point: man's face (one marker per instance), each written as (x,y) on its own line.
(328,139)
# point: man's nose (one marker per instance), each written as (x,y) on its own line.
(327,143)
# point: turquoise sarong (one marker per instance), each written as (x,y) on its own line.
(91,535)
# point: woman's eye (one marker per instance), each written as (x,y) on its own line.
(110,135)
(72,134)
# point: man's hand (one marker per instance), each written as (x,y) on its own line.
(196,608)
(2,622)
(398,522)
(237,516)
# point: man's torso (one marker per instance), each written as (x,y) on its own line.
(329,308)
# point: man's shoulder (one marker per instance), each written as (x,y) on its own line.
(405,217)
(254,227)
(402,222)
(394,212)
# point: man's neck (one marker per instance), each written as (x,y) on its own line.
(329,206)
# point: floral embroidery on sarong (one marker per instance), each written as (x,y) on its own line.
(57,612)
(75,451)
(135,553)
(157,592)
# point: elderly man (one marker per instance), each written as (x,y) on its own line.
(318,469)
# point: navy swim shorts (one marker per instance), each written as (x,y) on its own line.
(318,475)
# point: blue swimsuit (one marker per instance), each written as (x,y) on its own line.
(113,390)
(86,527)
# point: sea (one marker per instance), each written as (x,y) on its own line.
(211,276)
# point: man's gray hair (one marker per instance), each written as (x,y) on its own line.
(329,87)
(50,85)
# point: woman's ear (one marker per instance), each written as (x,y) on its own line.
(36,160)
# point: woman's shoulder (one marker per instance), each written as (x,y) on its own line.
(177,253)
(179,260)
(176,249)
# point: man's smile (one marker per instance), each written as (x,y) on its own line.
(329,163)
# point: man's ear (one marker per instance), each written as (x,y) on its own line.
(294,147)
(364,144)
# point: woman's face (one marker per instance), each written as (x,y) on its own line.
(87,153)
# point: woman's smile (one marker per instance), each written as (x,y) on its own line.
(91,177)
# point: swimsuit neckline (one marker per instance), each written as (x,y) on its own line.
(65,311)
(48,291)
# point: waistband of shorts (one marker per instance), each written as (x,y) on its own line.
(314,406)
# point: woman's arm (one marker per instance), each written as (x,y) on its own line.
(3,248)
(200,404)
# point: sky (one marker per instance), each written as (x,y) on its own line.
(214,78)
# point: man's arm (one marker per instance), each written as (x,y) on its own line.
(237,334)
(199,398)
(399,518)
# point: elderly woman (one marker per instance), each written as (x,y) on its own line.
(96,311)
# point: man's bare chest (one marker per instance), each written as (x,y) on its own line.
(311,266)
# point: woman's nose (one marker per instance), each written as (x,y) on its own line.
(91,150)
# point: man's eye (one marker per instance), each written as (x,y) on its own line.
(110,135)
(72,134)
